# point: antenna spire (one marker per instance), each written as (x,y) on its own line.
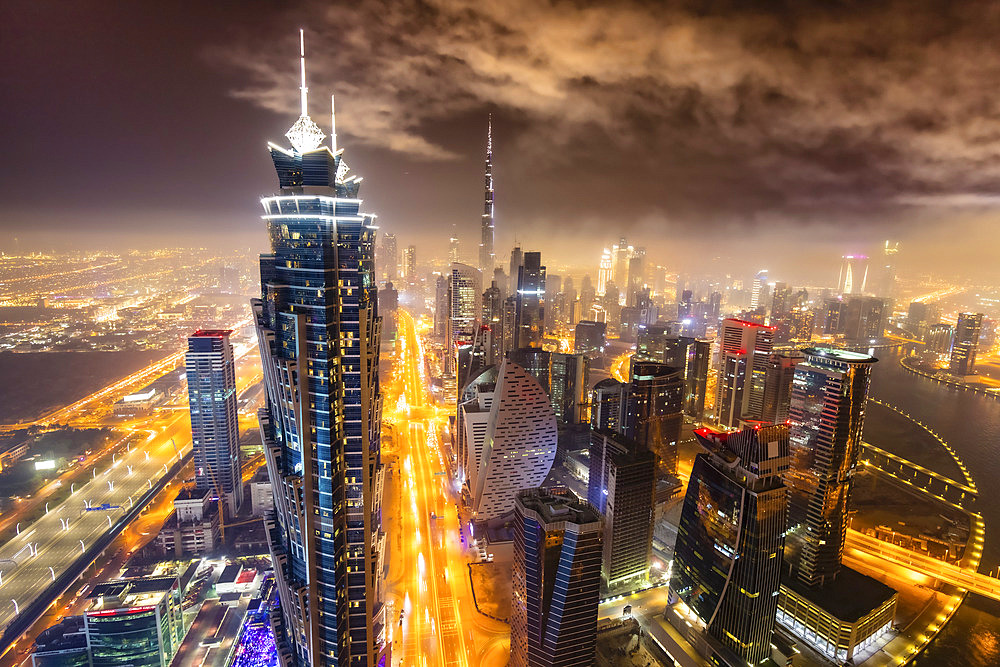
(302,62)
(333,125)
(489,134)
(305,135)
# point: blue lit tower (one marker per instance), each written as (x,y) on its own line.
(211,380)
(318,330)
(557,579)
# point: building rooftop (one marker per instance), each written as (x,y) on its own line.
(230,574)
(211,333)
(849,597)
(554,505)
(129,593)
(843,356)
(190,493)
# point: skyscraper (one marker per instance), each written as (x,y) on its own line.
(827,412)
(590,338)
(409,268)
(493,318)
(318,331)
(621,486)
(453,249)
(620,255)
(211,378)
(965,344)
(604,272)
(569,379)
(465,299)
(530,315)
(516,260)
(607,405)
(520,443)
(778,386)
(442,306)
(759,283)
(654,410)
(887,272)
(744,348)
(727,560)
(557,580)
(487,256)
(388,258)
(863,318)
(472,422)
(853,275)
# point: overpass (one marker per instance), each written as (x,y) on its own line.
(963,577)
(919,479)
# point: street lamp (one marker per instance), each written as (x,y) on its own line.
(52,572)
(82,548)
(17,609)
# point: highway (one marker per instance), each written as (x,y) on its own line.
(33,558)
(428,577)
(875,552)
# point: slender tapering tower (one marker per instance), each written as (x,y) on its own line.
(487,257)
(318,331)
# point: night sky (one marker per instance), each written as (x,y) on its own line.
(697,129)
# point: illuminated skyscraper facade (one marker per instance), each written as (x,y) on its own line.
(318,330)
(853,274)
(530,316)
(727,559)
(465,299)
(827,412)
(211,380)
(557,580)
(487,256)
(604,272)
(744,349)
(759,283)
(520,444)
(654,410)
(965,344)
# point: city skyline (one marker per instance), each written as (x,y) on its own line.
(383,441)
(844,173)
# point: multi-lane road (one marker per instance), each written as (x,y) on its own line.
(428,577)
(39,553)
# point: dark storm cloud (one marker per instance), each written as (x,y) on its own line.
(800,109)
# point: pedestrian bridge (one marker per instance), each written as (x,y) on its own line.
(919,479)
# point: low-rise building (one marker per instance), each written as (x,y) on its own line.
(134,621)
(842,619)
(62,645)
(194,528)
(261,497)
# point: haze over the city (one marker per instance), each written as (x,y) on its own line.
(441,333)
(716,131)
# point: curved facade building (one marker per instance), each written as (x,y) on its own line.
(520,443)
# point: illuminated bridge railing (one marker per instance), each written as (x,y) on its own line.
(963,577)
(918,478)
